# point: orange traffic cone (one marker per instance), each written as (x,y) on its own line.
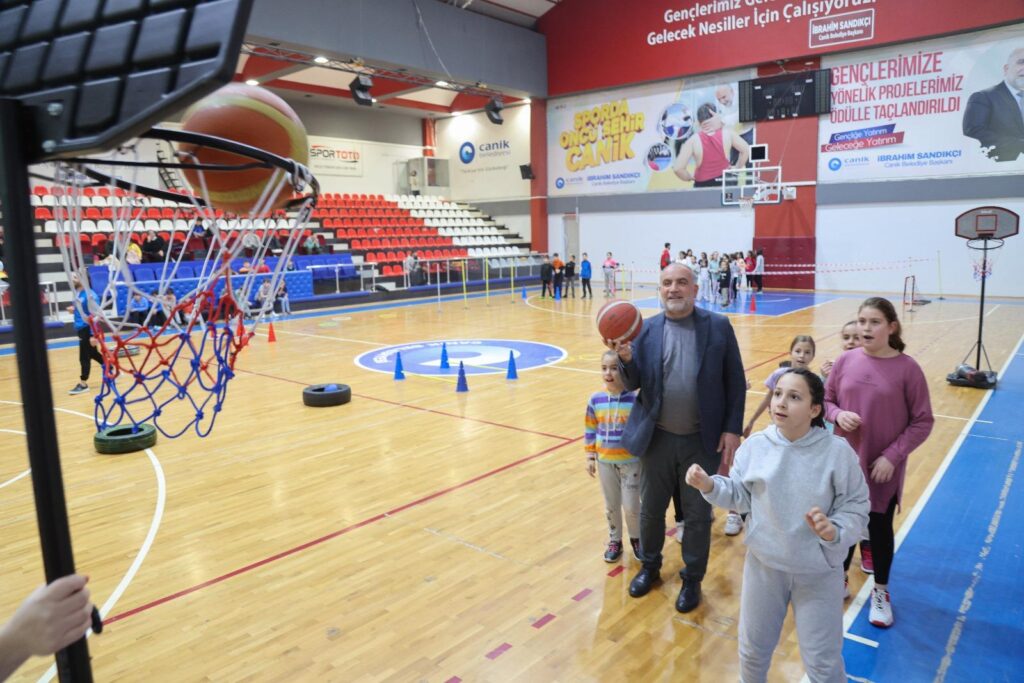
(271,337)
(753,303)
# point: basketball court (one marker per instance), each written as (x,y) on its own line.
(440,525)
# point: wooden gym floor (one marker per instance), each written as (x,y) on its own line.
(416,534)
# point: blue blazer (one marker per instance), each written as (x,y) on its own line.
(721,382)
(993,118)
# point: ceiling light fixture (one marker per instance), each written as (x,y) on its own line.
(321,60)
(252,81)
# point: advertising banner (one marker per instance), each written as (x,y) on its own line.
(672,135)
(484,158)
(657,39)
(945,107)
(335,157)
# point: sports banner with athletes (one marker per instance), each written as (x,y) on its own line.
(946,107)
(663,136)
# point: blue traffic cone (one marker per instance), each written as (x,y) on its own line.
(399,374)
(511,374)
(445,365)
(461,385)
(524,292)
(558,293)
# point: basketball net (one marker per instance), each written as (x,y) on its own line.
(169,342)
(746,206)
(982,261)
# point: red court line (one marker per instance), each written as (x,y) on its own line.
(334,534)
(547,618)
(499,651)
(582,594)
(618,570)
(420,408)
(786,353)
(454,679)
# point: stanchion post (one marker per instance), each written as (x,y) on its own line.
(512,281)
(938,260)
(487,281)
(465,297)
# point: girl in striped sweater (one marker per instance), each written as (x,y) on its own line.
(617,469)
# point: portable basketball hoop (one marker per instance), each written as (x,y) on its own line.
(985,229)
(169,342)
(69,88)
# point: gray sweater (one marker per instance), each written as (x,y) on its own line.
(778,482)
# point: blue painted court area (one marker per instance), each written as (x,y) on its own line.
(767,303)
(958,596)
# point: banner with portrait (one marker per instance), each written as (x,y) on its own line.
(946,107)
(658,137)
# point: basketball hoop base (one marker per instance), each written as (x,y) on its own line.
(966,376)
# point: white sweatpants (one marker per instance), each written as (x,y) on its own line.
(817,606)
(620,485)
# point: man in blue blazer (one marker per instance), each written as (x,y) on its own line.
(687,365)
(995,116)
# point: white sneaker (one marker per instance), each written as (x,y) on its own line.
(733,524)
(881,609)
(679,532)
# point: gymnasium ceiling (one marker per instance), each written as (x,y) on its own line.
(294,75)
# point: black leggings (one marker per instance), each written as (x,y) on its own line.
(586,287)
(883,543)
(87,352)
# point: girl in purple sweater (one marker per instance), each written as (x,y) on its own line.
(878,399)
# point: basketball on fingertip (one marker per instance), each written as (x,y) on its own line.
(251,116)
(619,321)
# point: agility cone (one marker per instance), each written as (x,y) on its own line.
(444,357)
(558,293)
(271,337)
(524,292)
(461,385)
(753,303)
(511,374)
(399,373)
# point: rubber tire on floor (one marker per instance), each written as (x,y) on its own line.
(315,396)
(120,439)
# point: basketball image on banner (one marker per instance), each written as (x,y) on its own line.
(478,356)
(647,138)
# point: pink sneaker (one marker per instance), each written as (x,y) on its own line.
(867,563)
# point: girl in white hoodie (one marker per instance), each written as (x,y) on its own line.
(808,503)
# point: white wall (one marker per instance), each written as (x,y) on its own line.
(491,173)
(889,232)
(518,223)
(638,238)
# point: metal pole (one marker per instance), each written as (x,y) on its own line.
(465,299)
(34,374)
(487,281)
(981,313)
(938,259)
(512,281)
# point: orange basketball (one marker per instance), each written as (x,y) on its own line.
(252,116)
(619,320)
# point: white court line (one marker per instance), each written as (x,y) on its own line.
(965,419)
(324,336)
(982,436)
(859,639)
(23,474)
(154,525)
(551,310)
(863,594)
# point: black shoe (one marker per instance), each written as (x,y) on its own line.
(689,597)
(643,582)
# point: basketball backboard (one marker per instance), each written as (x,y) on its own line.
(992,222)
(93,74)
(752,184)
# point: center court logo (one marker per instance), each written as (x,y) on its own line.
(480,356)
(834,164)
(467,152)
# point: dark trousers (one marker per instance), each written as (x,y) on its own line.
(558,284)
(758,281)
(545,288)
(883,543)
(585,287)
(87,352)
(664,468)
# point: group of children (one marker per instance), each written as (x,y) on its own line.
(810,496)
(560,276)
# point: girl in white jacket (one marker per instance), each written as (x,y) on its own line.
(808,503)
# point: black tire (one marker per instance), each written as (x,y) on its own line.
(121,439)
(318,396)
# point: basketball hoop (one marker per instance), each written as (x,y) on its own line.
(746,206)
(169,342)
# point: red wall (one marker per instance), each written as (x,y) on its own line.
(539,184)
(594,44)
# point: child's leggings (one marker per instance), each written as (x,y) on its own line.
(620,484)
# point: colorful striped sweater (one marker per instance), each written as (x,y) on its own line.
(605,420)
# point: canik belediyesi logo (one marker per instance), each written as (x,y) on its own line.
(559,183)
(834,164)
(467,152)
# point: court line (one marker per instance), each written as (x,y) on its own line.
(861,639)
(23,474)
(862,596)
(420,408)
(334,534)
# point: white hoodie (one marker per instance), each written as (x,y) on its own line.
(778,481)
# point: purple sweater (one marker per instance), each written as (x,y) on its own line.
(891,397)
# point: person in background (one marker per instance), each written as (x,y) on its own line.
(262,267)
(759,271)
(282,301)
(609,267)
(153,248)
(666,256)
(547,272)
(586,271)
(559,267)
(569,287)
(86,302)
(311,245)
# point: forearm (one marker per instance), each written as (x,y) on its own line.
(728,494)
(13,653)
(630,373)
